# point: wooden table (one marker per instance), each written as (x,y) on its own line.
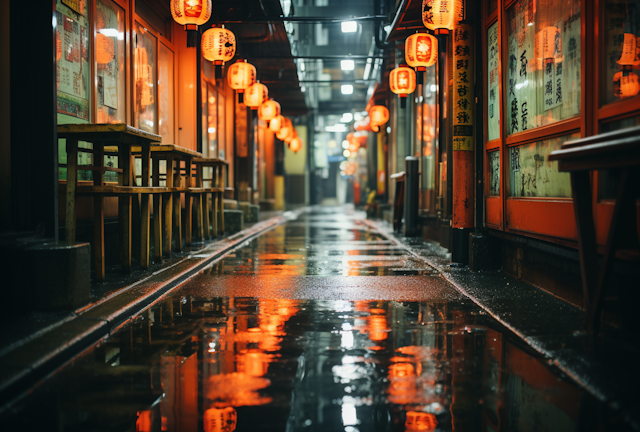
(123,137)
(619,151)
(216,188)
(179,180)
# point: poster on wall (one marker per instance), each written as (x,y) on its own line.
(72,63)
(493,88)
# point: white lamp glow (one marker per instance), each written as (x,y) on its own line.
(349,26)
(347,65)
(347,89)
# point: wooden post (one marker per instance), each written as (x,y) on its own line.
(144,207)
(98,213)
(157,213)
(220,182)
(72,180)
(199,206)
(206,210)
(168,208)
(177,207)
(124,153)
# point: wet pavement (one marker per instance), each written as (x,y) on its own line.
(321,324)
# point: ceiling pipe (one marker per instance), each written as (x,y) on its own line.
(270,30)
(376,32)
(309,20)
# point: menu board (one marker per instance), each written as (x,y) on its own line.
(493,83)
(72,63)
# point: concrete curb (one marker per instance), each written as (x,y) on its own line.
(521,308)
(27,363)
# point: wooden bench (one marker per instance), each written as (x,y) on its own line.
(213,222)
(619,151)
(122,138)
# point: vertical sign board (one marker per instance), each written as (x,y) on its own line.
(463,130)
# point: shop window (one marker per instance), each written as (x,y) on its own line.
(608,179)
(145,87)
(158,14)
(543,63)
(165,94)
(532,175)
(429,129)
(110,59)
(494,173)
(493,83)
(622,50)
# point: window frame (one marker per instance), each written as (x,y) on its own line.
(549,218)
(160,39)
(219,87)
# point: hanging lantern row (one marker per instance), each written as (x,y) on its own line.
(191,14)
(241,75)
(295,145)
(379,115)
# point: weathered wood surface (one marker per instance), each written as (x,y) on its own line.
(116,133)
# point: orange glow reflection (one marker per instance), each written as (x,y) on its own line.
(220,420)
(143,423)
(420,421)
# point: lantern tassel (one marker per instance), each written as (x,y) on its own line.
(403,102)
(419,78)
(192,38)
(218,71)
(240,97)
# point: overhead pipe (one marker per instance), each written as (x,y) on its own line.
(377,37)
(270,30)
(303,20)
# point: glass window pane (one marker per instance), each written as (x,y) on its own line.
(212,122)
(543,67)
(73,72)
(493,83)
(145,79)
(221,127)
(532,175)
(205,114)
(165,94)
(494,173)
(622,50)
(110,62)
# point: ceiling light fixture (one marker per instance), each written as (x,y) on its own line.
(346,118)
(349,27)
(346,89)
(347,65)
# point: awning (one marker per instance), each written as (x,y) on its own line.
(407,21)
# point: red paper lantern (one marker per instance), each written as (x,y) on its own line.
(439,15)
(295,145)
(191,13)
(256,95)
(379,115)
(269,110)
(402,81)
(276,123)
(218,45)
(286,129)
(421,51)
(241,75)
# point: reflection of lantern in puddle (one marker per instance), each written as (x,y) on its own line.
(377,327)
(255,362)
(401,370)
(420,421)
(143,422)
(220,419)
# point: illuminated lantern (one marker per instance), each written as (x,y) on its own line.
(625,84)
(269,110)
(295,145)
(218,45)
(291,136)
(363,125)
(241,75)
(285,130)
(421,51)
(379,115)
(438,15)
(191,14)
(220,420)
(256,95)
(630,50)
(402,81)
(420,421)
(276,123)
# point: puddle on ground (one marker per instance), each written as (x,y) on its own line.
(208,359)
